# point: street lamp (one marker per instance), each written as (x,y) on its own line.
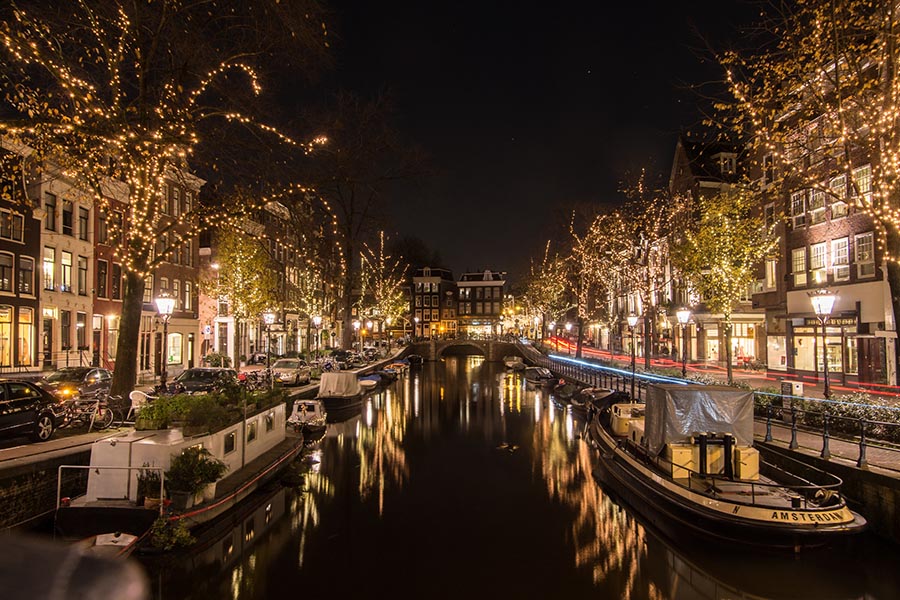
(569,338)
(268,319)
(683,315)
(537,320)
(632,321)
(823,303)
(356,325)
(317,321)
(165,305)
(416,332)
(553,331)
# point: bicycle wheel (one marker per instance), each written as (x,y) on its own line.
(104,418)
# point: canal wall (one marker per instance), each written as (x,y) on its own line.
(28,486)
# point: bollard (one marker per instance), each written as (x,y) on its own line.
(826,453)
(793,445)
(768,424)
(862,463)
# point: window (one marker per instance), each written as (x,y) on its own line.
(418,300)
(84,216)
(50,209)
(188,202)
(252,428)
(82,275)
(270,421)
(188,298)
(862,180)
(418,315)
(769,215)
(116,283)
(80,333)
(428,301)
(188,253)
(117,227)
(148,289)
(230,438)
(840,259)
(102,277)
(176,294)
(798,208)
(816,207)
(768,168)
(65,262)
(818,262)
(49,268)
(11,226)
(838,187)
(102,228)
(25,335)
(26,275)
(65,329)
(435,301)
(163,285)
(865,254)
(798,266)
(67,224)
(6,272)
(435,314)
(771,270)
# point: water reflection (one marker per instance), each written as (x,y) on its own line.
(462,479)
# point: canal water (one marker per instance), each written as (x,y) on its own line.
(459,481)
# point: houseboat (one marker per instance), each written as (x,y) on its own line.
(686,460)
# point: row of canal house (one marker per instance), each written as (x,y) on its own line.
(471,306)
(823,241)
(61,284)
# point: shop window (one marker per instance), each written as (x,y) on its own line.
(25,337)
(173,349)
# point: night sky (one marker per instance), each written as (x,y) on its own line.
(525,110)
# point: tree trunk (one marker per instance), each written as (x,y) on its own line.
(580,322)
(125,373)
(729,369)
(893,276)
(237,342)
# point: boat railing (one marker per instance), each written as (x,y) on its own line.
(81,489)
(803,492)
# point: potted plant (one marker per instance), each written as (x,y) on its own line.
(189,472)
(148,487)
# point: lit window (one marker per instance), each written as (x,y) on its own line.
(865,254)
(798,266)
(818,259)
(840,259)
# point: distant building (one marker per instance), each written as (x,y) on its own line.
(434,303)
(481,303)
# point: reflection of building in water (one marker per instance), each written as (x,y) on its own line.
(382,457)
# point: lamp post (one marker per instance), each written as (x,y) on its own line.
(684,315)
(632,321)
(537,321)
(569,338)
(165,305)
(823,303)
(553,331)
(416,328)
(317,321)
(356,325)
(268,319)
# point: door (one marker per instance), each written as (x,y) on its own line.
(47,342)
(871,360)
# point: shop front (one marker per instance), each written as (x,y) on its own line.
(849,353)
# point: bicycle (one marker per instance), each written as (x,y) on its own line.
(93,412)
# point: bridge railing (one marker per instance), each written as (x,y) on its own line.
(864,425)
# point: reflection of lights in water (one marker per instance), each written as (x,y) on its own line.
(570,425)
(236,576)
(369,413)
(537,411)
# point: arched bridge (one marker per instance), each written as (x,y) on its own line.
(491,350)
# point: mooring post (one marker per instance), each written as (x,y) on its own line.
(768,424)
(826,453)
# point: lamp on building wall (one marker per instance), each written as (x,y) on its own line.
(317,321)
(632,322)
(268,319)
(683,315)
(165,305)
(823,303)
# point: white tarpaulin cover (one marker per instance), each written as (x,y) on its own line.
(676,412)
(339,385)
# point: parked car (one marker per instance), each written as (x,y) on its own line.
(70,382)
(341,359)
(291,370)
(204,379)
(26,409)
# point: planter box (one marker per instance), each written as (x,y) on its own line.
(181,501)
